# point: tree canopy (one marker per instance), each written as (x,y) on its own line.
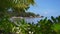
(15,3)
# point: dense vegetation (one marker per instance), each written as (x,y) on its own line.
(16,5)
(44,26)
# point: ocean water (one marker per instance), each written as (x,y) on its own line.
(32,20)
(27,19)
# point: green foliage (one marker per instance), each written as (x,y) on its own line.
(24,4)
(44,26)
(8,27)
(16,5)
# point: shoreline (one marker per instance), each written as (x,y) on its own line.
(27,17)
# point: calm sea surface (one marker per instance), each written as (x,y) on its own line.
(28,20)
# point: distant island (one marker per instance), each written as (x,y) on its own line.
(25,14)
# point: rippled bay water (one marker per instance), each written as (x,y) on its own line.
(30,20)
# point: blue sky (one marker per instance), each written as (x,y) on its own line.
(46,8)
